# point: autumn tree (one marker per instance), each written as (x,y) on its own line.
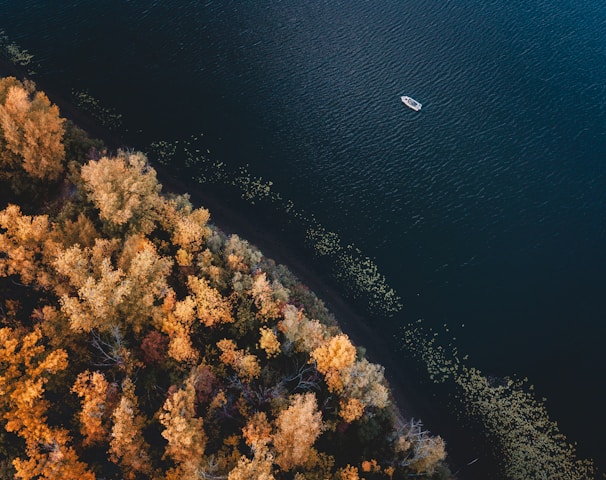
(177,321)
(351,409)
(268,297)
(125,190)
(94,392)
(245,364)
(210,306)
(107,294)
(269,342)
(302,334)
(189,229)
(154,347)
(332,358)
(297,429)
(26,247)
(258,431)
(25,368)
(421,452)
(240,256)
(184,430)
(128,448)
(31,132)
(260,467)
(366,382)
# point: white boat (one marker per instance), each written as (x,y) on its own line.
(411,102)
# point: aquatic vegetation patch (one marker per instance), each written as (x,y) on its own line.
(15,54)
(525,442)
(108,117)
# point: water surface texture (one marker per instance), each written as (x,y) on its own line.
(486,209)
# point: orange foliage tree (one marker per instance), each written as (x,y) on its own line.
(245,364)
(178,318)
(332,358)
(25,368)
(31,132)
(27,246)
(128,448)
(94,390)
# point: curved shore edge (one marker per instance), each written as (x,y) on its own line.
(229,221)
(355,324)
(410,402)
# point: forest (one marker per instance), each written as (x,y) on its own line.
(138,341)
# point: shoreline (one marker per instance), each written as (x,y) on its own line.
(231,221)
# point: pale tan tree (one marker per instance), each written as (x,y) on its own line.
(183,430)
(260,467)
(366,382)
(108,295)
(304,334)
(269,298)
(297,429)
(125,190)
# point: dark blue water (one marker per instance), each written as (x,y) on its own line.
(486,209)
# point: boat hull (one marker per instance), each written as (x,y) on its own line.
(411,103)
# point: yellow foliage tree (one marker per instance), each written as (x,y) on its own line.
(245,364)
(191,230)
(183,430)
(211,307)
(31,133)
(332,358)
(297,429)
(125,190)
(269,342)
(128,448)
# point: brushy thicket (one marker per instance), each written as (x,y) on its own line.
(138,341)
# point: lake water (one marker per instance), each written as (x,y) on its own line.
(486,209)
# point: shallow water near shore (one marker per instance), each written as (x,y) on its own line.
(485,210)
